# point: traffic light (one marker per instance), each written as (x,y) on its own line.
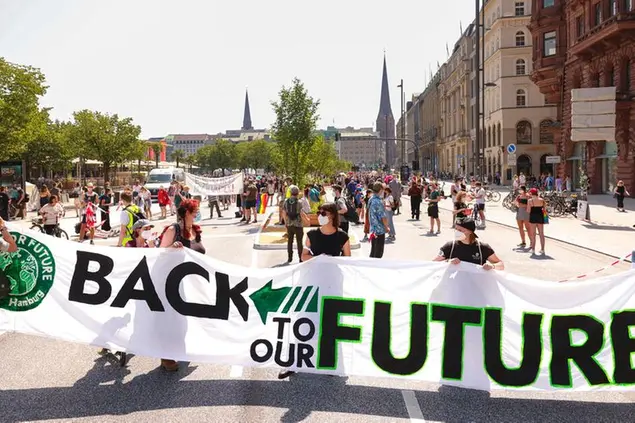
(415,166)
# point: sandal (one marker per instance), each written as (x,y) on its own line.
(169,365)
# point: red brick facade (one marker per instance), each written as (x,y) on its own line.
(595,47)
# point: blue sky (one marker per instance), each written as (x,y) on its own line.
(182,66)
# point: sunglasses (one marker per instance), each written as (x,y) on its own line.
(323,213)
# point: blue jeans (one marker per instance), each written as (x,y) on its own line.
(391,223)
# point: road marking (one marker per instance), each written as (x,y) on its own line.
(412,405)
(236,371)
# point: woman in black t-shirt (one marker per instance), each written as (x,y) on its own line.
(328,239)
(466,247)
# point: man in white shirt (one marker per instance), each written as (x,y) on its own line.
(51,213)
(480,202)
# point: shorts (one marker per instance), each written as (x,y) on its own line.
(250,204)
(481,207)
(433,212)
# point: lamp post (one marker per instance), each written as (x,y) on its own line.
(403,123)
(477,94)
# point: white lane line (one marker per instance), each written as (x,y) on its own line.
(237,371)
(412,405)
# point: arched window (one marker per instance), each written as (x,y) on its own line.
(523,132)
(500,139)
(546,136)
(609,77)
(523,164)
(520,39)
(521,67)
(521,98)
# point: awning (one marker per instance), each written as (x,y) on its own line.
(573,158)
(606,156)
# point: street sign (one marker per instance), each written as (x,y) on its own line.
(511,159)
(552,159)
(511,148)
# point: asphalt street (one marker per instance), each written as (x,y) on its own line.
(46,379)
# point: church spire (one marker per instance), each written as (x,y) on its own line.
(247,114)
(384,104)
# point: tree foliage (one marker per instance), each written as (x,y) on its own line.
(20,90)
(177,155)
(294,129)
(107,138)
(221,155)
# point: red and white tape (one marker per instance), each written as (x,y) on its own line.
(616,262)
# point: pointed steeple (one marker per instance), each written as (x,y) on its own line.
(247,114)
(384,104)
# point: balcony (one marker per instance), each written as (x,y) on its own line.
(607,35)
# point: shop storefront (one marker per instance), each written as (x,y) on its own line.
(11,173)
(575,162)
(609,166)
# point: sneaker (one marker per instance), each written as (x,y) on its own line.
(103,351)
(92,242)
(439,232)
(522,245)
(169,365)
(542,252)
(285,374)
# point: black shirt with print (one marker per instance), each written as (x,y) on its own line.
(467,252)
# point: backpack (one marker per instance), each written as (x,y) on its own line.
(291,208)
(351,214)
(177,234)
(135,216)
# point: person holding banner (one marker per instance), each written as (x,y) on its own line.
(7,243)
(141,235)
(183,234)
(466,247)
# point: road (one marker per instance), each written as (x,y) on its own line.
(45,379)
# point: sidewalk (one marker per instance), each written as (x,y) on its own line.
(608,232)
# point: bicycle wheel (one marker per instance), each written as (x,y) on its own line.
(61,233)
(38,228)
(496,196)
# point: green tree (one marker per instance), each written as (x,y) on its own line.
(324,158)
(48,146)
(107,138)
(156,149)
(294,129)
(20,90)
(254,154)
(222,155)
(177,155)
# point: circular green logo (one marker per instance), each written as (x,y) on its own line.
(30,272)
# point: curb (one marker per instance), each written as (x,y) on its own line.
(507,225)
(282,247)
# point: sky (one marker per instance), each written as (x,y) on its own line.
(183,66)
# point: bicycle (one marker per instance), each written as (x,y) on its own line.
(473,213)
(37,224)
(491,195)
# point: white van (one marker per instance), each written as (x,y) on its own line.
(158,178)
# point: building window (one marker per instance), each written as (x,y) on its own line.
(549,43)
(546,136)
(521,98)
(610,77)
(613,7)
(628,5)
(521,67)
(548,3)
(579,22)
(597,18)
(595,80)
(523,132)
(520,39)
(520,8)
(627,76)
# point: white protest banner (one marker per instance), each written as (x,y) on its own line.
(425,321)
(227,185)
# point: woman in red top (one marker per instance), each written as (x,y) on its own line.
(164,201)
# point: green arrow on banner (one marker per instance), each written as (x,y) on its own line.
(268,300)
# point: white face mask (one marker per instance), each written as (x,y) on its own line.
(459,236)
(146,234)
(323,220)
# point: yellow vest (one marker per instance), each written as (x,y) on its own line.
(131,209)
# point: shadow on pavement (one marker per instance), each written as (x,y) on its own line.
(607,227)
(301,395)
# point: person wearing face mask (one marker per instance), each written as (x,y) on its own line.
(142,236)
(466,247)
(522,215)
(328,239)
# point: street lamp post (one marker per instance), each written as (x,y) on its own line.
(403,123)
(477,94)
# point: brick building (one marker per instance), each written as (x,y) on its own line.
(586,44)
